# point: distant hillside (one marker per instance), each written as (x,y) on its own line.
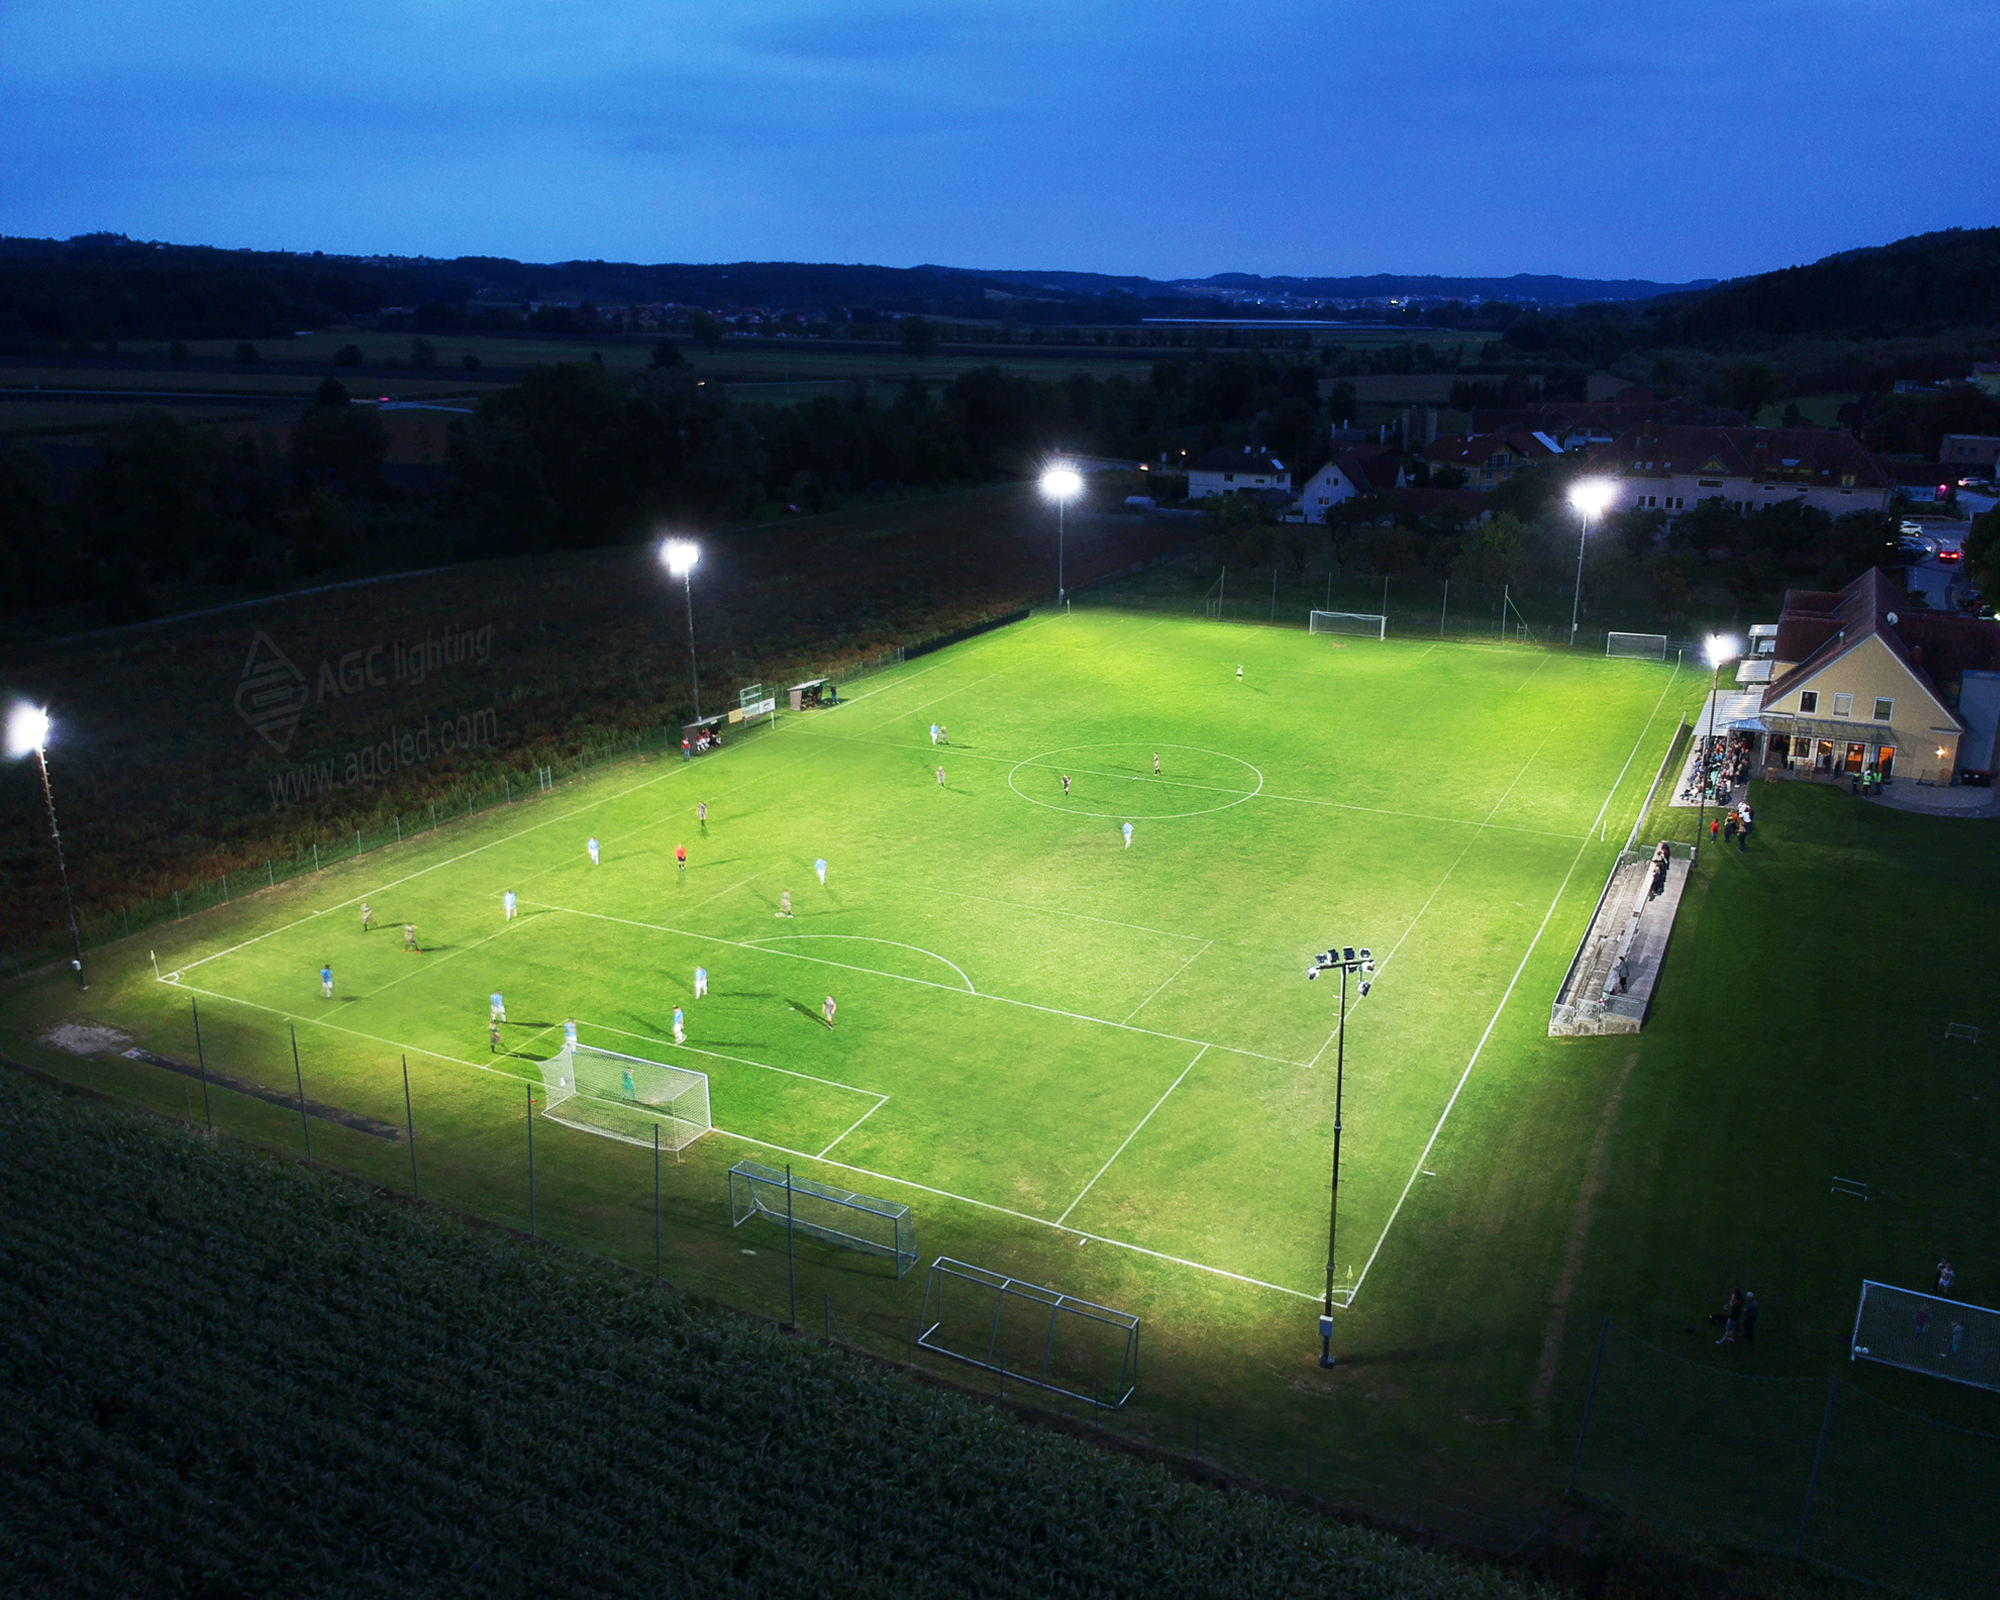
(1914,287)
(104,286)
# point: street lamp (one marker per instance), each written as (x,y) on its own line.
(1061,483)
(1590,496)
(1718,648)
(1343,961)
(28,734)
(680,556)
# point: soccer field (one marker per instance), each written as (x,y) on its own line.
(1081,1040)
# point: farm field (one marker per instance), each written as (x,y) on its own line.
(1098,1067)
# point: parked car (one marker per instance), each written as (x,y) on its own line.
(1950,552)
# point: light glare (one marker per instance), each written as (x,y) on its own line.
(1592,495)
(680,555)
(1061,483)
(27,730)
(1720,647)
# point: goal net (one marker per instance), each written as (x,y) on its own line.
(823,1211)
(625,1097)
(1637,646)
(1928,1333)
(1368,623)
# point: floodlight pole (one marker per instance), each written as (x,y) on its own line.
(1060,501)
(694,666)
(62,868)
(1333,1202)
(1701,763)
(1576,604)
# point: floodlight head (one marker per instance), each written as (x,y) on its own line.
(1720,647)
(1366,985)
(1312,972)
(1062,482)
(680,555)
(1592,495)
(27,730)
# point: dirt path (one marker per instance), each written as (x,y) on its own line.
(1595,1175)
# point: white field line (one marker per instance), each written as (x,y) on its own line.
(1530,678)
(862,938)
(1021,1216)
(927,983)
(1054,911)
(1191,960)
(422,966)
(1636,743)
(877,1106)
(1430,1143)
(741,1061)
(924,672)
(1122,1143)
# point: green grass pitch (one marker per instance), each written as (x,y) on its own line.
(1077,1039)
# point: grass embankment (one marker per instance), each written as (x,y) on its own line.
(230,1375)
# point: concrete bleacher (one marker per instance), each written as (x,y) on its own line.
(1630,923)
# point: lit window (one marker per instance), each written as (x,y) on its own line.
(1884,710)
(1843,705)
(1809,703)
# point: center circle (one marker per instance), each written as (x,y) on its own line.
(1107,774)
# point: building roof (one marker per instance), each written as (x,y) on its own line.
(1820,456)
(1238,458)
(1475,450)
(1371,469)
(1938,647)
(1631,408)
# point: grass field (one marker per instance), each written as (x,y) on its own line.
(1100,1068)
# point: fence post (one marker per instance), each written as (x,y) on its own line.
(1444,606)
(357,841)
(399,826)
(177,905)
(225,888)
(269,880)
(1596,1366)
(201,1061)
(315,855)
(410,1125)
(434,813)
(532,1231)
(656,1202)
(791,1252)
(507,788)
(299,1073)
(1812,1483)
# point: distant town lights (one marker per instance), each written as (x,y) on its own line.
(680,555)
(27,730)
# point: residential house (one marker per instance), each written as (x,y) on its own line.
(1966,453)
(1922,483)
(1986,376)
(1864,681)
(1351,473)
(1580,428)
(1674,469)
(1237,470)
(1489,459)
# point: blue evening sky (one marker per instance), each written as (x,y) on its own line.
(1635,138)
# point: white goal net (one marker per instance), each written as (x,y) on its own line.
(1927,1333)
(823,1211)
(1366,623)
(625,1097)
(1636,646)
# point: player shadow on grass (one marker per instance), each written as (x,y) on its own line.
(812,1013)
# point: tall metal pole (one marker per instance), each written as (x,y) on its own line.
(1576,605)
(694,667)
(410,1127)
(62,868)
(1060,591)
(1333,1203)
(1701,767)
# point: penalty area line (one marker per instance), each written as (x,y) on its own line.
(1122,1143)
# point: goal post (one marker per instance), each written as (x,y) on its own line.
(625,1097)
(1367,624)
(1636,646)
(1922,1332)
(823,1211)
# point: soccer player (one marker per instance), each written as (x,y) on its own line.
(944,734)
(827,1008)
(700,983)
(499,1006)
(785,904)
(367,916)
(701,816)
(933,733)
(680,1026)
(940,777)
(1239,672)
(591,845)
(509,905)
(1128,836)
(569,1033)
(1065,785)
(819,866)
(681,859)
(410,937)
(626,1086)
(326,982)
(1156,763)
(493,1037)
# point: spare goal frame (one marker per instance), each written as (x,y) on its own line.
(1359,624)
(823,1211)
(1920,1331)
(1024,1347)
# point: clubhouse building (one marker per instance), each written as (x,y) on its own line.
(1858,681)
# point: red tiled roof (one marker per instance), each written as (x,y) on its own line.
(1938,647)
(1825,455)
(1474,451)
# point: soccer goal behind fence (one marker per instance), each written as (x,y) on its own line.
(823,1211)
(1366,624)
(1927,1333)
(1636,646)
(625,1097)
(1030,1334)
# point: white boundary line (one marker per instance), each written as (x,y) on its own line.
(1207,945)
(1423,1156)
(741,1061)
(1057,911)
(877,1106)
(863,938)
(1122,1143)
